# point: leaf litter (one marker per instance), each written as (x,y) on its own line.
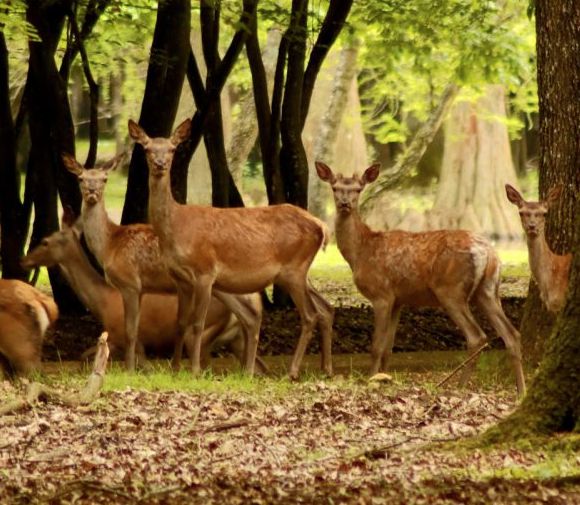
(319,442)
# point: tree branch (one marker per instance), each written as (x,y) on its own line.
(412,155)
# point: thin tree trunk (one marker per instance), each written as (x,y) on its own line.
(165,75)
(245,128)
(330,123)
(12,234)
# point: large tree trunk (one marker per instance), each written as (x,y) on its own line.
(324,144)
(553,401)
(559,137)
(165,75)
(476,165)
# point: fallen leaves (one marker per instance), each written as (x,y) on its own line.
(322,442)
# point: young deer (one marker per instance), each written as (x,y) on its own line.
(132,262)
(158,322)
(550,271)
(240,250)
(25,315)
(446,268)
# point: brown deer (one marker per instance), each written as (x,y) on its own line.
(25,315)
(550,271)
(132,262)
(240,250)
(446,268)
(158,322)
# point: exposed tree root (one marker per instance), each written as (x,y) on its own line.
(37,392)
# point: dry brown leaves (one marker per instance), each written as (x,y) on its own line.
(324,442)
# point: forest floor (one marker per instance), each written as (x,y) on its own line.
(158,437)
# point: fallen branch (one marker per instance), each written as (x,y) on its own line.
(228,425)
(86,395)
(463,365)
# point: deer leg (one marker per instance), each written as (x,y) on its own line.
(382,311)
(490,305)
(132,307)
(184,312)
(298,291)
(325,320)
(390,337)
(462,316)
(250,317)
(202,297)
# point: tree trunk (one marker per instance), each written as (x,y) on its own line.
(12,233)
(559,134)
(553,401)
(245,128)
(477,163)
(165,75)
(324,143)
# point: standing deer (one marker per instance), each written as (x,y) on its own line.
(240,250)
(132,263)
(25,315)
(446,268)
(550,271)
(158,322)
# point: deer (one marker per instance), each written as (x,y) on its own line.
(236,250)
(445,268)
(25,316)
(132,262)
(550,271)
(158,322)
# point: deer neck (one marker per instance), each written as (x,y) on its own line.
(350,232)
(89,286)
(161,206)
(97,228)
(540,258)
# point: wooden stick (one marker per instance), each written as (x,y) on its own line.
(463,365)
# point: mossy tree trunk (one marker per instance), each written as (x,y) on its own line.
(558,48)
(553,401)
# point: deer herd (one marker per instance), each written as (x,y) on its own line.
(193,275)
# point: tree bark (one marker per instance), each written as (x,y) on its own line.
(559,134)
(165,75)
(553,401)
(476,165)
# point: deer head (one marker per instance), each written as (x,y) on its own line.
(346,190)
(159,151)
(533,214)
(92,181)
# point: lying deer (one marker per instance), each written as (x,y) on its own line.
(550,271)
(158,323)
(132,262)
(240,250)
(25,315)
(447,268)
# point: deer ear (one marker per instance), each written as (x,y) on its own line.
(371,174)
(513,195)
(113,163)
(71,164)
(181,133)
(553,195)
(324,172)
(137,133)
